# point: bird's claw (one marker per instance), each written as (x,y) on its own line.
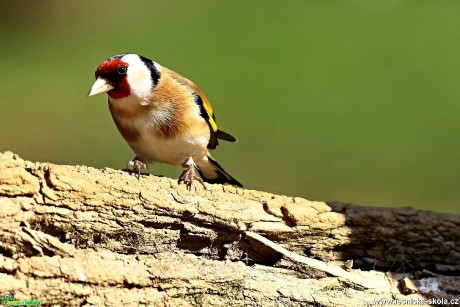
(137,166)
(188,176)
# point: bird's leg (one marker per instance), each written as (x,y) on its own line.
(137,166)
(188,175)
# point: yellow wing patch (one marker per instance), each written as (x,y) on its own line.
(208,108)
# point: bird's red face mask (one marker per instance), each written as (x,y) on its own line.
(111,78)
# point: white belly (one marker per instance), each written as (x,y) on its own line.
(155,148)
(149,144)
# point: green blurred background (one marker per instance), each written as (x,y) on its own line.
(357,101)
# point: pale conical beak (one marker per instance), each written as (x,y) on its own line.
(100,86)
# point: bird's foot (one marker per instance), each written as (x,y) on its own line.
(188,176)
(137,166)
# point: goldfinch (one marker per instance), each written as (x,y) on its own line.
(163,116)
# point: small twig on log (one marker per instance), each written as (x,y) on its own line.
(380,285)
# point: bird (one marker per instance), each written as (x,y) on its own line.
(163,116)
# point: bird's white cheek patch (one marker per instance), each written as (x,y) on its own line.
(140,83)
(139,78)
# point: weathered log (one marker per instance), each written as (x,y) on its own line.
(75,235)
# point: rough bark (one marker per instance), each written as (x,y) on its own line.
(75,235)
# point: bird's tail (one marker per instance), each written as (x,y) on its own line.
(210,171)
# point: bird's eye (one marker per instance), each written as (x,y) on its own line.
(122,70)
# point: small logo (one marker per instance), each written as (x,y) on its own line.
(9,300)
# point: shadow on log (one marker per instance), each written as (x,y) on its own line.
(79,236)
